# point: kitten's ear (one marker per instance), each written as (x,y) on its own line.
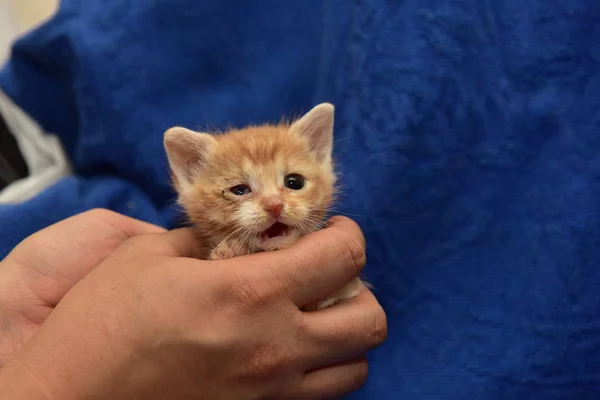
(187,152)
(317,126)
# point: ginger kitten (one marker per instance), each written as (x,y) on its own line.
(259,188)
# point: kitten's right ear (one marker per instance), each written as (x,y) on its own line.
(187,152)
(317,126)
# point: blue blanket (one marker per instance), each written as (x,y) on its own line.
(468,137)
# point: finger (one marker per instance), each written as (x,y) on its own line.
(182,242)
(97,231)
(128,226)
(334,381)
(344,331)
(317,265)
(57,257)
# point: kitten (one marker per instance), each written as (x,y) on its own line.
(259,188)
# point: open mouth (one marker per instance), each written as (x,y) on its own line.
(277,229)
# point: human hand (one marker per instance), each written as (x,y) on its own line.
(36,275)
(152,322)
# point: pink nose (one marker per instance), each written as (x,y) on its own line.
(274,209)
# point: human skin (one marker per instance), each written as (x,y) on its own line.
(37,274)
(139,316)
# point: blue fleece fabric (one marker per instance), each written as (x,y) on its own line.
(468,139)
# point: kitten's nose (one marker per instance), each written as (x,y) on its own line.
(273,206)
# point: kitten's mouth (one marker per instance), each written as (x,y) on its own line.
(277,229)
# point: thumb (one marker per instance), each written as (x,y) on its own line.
(317,265)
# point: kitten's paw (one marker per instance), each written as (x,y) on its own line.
(218,254)
(224,252)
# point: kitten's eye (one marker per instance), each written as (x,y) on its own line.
(294,182)
(240,190)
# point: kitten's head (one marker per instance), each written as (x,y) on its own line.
(258,184)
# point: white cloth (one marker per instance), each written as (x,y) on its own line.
(41,150)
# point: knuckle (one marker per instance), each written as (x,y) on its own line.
(265,362)
(249,294)
(134,243)
(302,325)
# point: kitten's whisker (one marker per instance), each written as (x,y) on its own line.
(235,232)
(310,224)
(229,230)
(342,139)
(216,229)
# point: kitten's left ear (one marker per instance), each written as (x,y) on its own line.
(317,126)
(188,153)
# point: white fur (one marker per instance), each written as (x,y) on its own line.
(247,213)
